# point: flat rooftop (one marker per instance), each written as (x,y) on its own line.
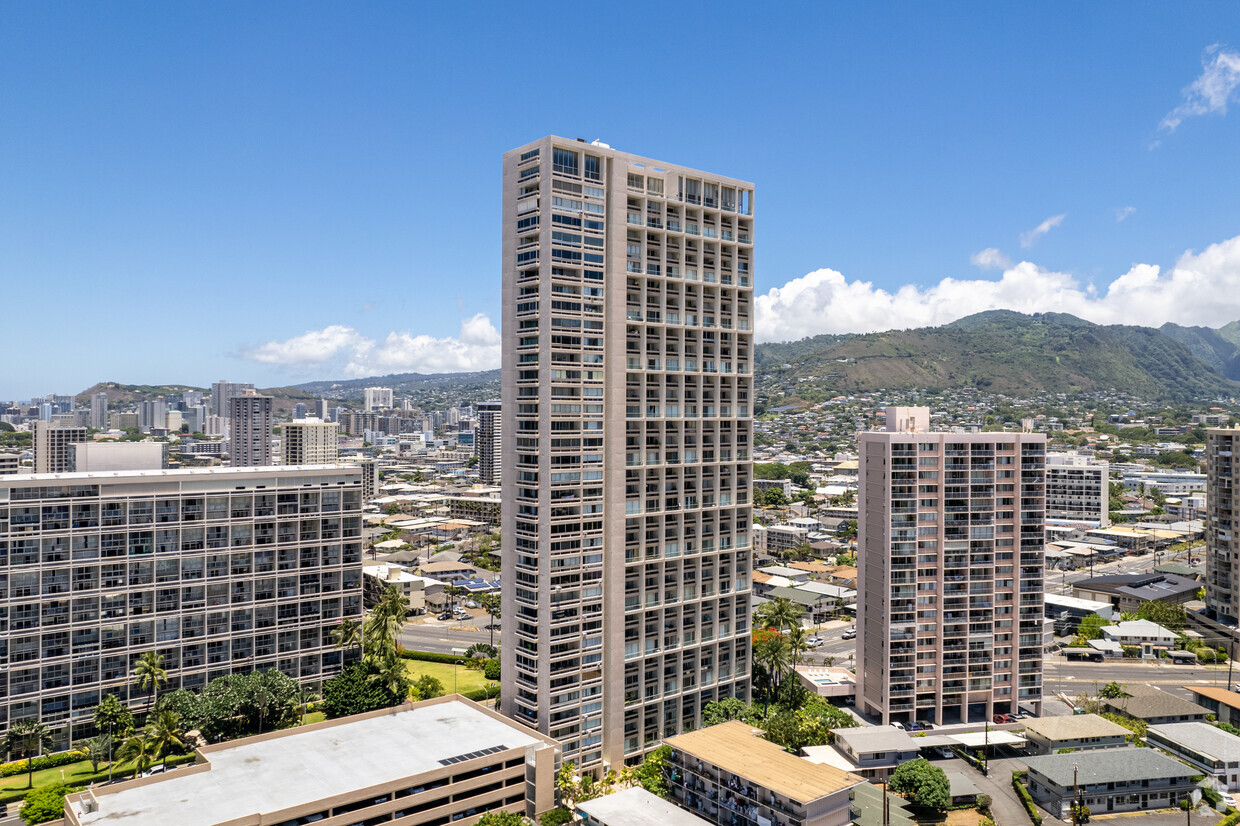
(1203,738)
(735,747)
(1108,766)
(638,807)
(267,775)
(24,480)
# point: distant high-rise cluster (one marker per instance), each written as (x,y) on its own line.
(377,398)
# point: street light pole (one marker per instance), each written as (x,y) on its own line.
(1076,796)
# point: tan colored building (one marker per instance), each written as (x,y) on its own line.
(951,557)
(309,442)
(51,446)
(727,774)
(434,762)
(1223,525)
(627,423)
(251,418)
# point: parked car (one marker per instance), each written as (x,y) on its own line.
(913,725)
(153,770)
(1228,799)
(1002,719)
(900,726)
(469,603)
(446,615)
(947,753)
(926,725)
(850,634)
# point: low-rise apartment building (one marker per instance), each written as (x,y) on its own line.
(1109,780)
(1080,732)
(1209,748)
(728,775)
(434,762)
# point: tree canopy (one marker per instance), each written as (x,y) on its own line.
(922,783)
(45,804)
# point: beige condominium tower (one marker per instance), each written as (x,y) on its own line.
(950,552)
(626,420)
(1222,525)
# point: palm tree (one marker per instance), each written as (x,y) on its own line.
(797,643)
(347,634)
(387,618)
(392,675)
(780,613)
(262,699)
(96,749)
(149,672)
(774,654)
(165,734)
(138,747)
(28,738)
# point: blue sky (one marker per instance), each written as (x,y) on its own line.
(277,192)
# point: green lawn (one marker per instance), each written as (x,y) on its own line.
(75,774)
(467,679)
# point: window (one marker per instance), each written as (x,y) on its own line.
(564,161)
(594,168)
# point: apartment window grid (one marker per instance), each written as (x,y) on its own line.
(215,579)
(686,342)
(956,552)
(1222,575)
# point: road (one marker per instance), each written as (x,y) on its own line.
(1073,678)
(1058,582)
(440,637)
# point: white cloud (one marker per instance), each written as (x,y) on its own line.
(1211,92)
(1124,212)
(990,259)
(1202,288)
(476,347)
(1027,238)
(311,347)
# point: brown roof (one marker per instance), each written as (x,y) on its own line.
(1220,695)
(812,567)
(735,747)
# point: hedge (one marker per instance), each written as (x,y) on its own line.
(1231,820)
(1026,799)
(50,761)
(430,657)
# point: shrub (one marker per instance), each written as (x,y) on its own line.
(490,669)
(45,804)
(556,817)
(431,657)
(49,761)
(1026,799)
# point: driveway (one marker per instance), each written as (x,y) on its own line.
(1005,807)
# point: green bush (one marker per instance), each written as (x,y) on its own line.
(1232,819)
(45,804)
(50,761)
(430,657)
(490,669)
(1026,799)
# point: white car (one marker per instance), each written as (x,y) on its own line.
(813,642)
(1229,800)
(850,634)
(900,726)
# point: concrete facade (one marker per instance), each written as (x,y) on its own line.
(1223,525)
(216,569)
(309,442)
(252,417)
(951,570)
(51,446)
(1078,489)
(487,443)
(626,421)
(434,762)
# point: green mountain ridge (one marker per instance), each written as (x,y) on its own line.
(1015,354)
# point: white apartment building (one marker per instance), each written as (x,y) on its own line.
(1078,489)
(627,379)
(487,438)
(310,442)
(251,418)
(950,562)
(377,398)
(217,569)
(1222,525)
(99,411)
(222,392)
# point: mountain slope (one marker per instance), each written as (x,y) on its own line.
(1011,353)
(1210,346)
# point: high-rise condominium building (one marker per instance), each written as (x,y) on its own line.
(626,429)
(217,569)
(487,443)
(252,418)
(99,411)
(1223,525)
(1078,489)
(321,410)
(222,392)
(153,413)
(377,398)
(309,442)
(51,446)
(951,552)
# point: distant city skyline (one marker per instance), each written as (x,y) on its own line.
(915,166)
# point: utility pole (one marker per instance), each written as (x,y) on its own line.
(1076,796)
(886,805)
